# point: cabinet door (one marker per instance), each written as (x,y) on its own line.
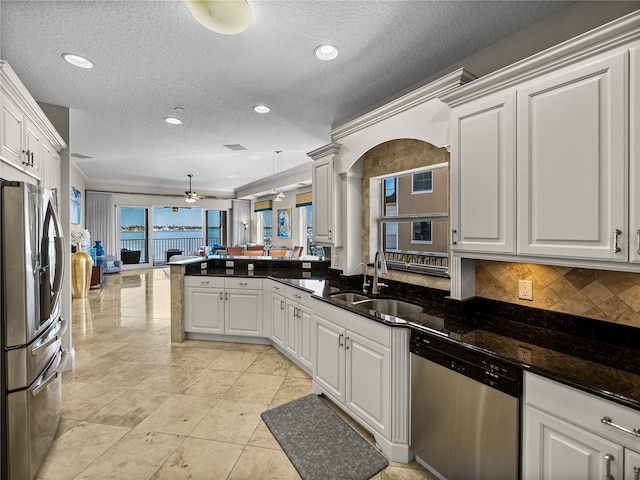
(572,196)
(323,201)
(558,450)
(291,342)
(483,175)
(329,368)
(305,315)
(11,131)
(34,140)
(634,161)
(277,318)
(204,310)
(631,465)
(243,312)
(368,380)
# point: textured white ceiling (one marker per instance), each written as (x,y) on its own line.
(152,56)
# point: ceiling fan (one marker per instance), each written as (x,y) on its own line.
(190,196)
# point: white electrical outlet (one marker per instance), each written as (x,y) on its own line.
(525,290)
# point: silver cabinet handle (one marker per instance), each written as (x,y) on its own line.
(204,282)
(607,421)
(226,295)
(281,304)
(636,473)
(638,240)
(295,312)
(221,296)
(297,296)
(608,458)
(346,343)
(276,288)
(242,284)
(454,233)
(616,233)
(340,344)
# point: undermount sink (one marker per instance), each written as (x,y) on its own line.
(389,306)
(349,297)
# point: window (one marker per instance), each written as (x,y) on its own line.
(264,228)
(216,227)
(413,229)
(422,182)
(421,232)
(305,230)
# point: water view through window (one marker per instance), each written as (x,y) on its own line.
(176,231)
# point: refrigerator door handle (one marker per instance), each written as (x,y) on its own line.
(51,338)
(43,384)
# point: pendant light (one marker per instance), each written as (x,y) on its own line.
(273,176)
(280,195)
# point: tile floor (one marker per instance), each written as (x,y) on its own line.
(137,406)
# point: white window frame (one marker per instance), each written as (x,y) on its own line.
(422,242)
(413,176)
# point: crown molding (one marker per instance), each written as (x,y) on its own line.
(416,97)
(328,149)
(607,37)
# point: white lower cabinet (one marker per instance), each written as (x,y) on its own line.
(353,366)
(278,314)
(565,437)
(223,306)
(297,335)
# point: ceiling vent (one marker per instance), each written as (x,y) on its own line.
(235,146)
(79,155)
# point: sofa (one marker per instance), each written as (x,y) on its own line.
(113,265)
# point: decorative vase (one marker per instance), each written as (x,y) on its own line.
(99,248)
(81,265)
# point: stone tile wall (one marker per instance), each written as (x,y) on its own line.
(390,157)
(599,294)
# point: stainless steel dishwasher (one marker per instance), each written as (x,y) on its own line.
(465,411)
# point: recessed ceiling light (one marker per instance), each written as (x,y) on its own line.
(326,52)
(261,109)
(77,60)
(173,120)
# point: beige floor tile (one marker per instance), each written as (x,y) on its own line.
(254,388)
(234,361)
(228,421)
(263,438)
(296,371)
(271,363)
(73,451)
(172,379)
(400,473)
(129,409)
(193,357)
(135,457)
(65,425)
(198,459)
(85,402)
(128,374)
(178,415)
(212,383)
(142,352)
(69,386)
(291,388)
(265,464)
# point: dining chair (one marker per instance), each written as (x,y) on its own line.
(297,250)
(277,252)
(255,247)
(235,250)
(253,253)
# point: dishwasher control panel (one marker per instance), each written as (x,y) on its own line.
(471,363)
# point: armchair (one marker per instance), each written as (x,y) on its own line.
(112,265)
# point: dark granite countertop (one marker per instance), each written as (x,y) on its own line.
(598,357)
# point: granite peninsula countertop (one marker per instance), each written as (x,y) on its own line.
(594,356)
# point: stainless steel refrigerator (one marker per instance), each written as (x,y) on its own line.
(32,356)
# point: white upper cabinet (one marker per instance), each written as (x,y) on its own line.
(634,150)
(483,166)
(325,196)
(572,197)
(545,155)
(29,144)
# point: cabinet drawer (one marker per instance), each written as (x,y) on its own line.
(277,287)
(248,283)
(583,409)
(297,295)
(203,281)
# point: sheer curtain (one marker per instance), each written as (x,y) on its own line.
(101,220)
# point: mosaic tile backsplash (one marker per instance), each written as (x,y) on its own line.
(599,294)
